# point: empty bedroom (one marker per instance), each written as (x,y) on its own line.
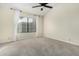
(39,29)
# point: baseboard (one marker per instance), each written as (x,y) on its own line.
(73,43)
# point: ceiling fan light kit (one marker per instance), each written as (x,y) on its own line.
(43,5)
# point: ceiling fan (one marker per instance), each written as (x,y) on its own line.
(42,5)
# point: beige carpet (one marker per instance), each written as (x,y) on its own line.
(39,47)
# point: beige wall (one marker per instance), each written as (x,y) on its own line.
(39,26)
(6,24)
(62,23)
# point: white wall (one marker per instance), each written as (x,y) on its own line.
(7,26)
(62,23)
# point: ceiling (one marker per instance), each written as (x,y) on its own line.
(27,7)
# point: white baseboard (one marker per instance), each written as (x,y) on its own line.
(70,42)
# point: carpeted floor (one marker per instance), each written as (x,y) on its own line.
(39,47)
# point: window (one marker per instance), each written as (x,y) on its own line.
(26,24)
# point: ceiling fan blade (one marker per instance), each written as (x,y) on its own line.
(48,6)
(43,3)
(36,6)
